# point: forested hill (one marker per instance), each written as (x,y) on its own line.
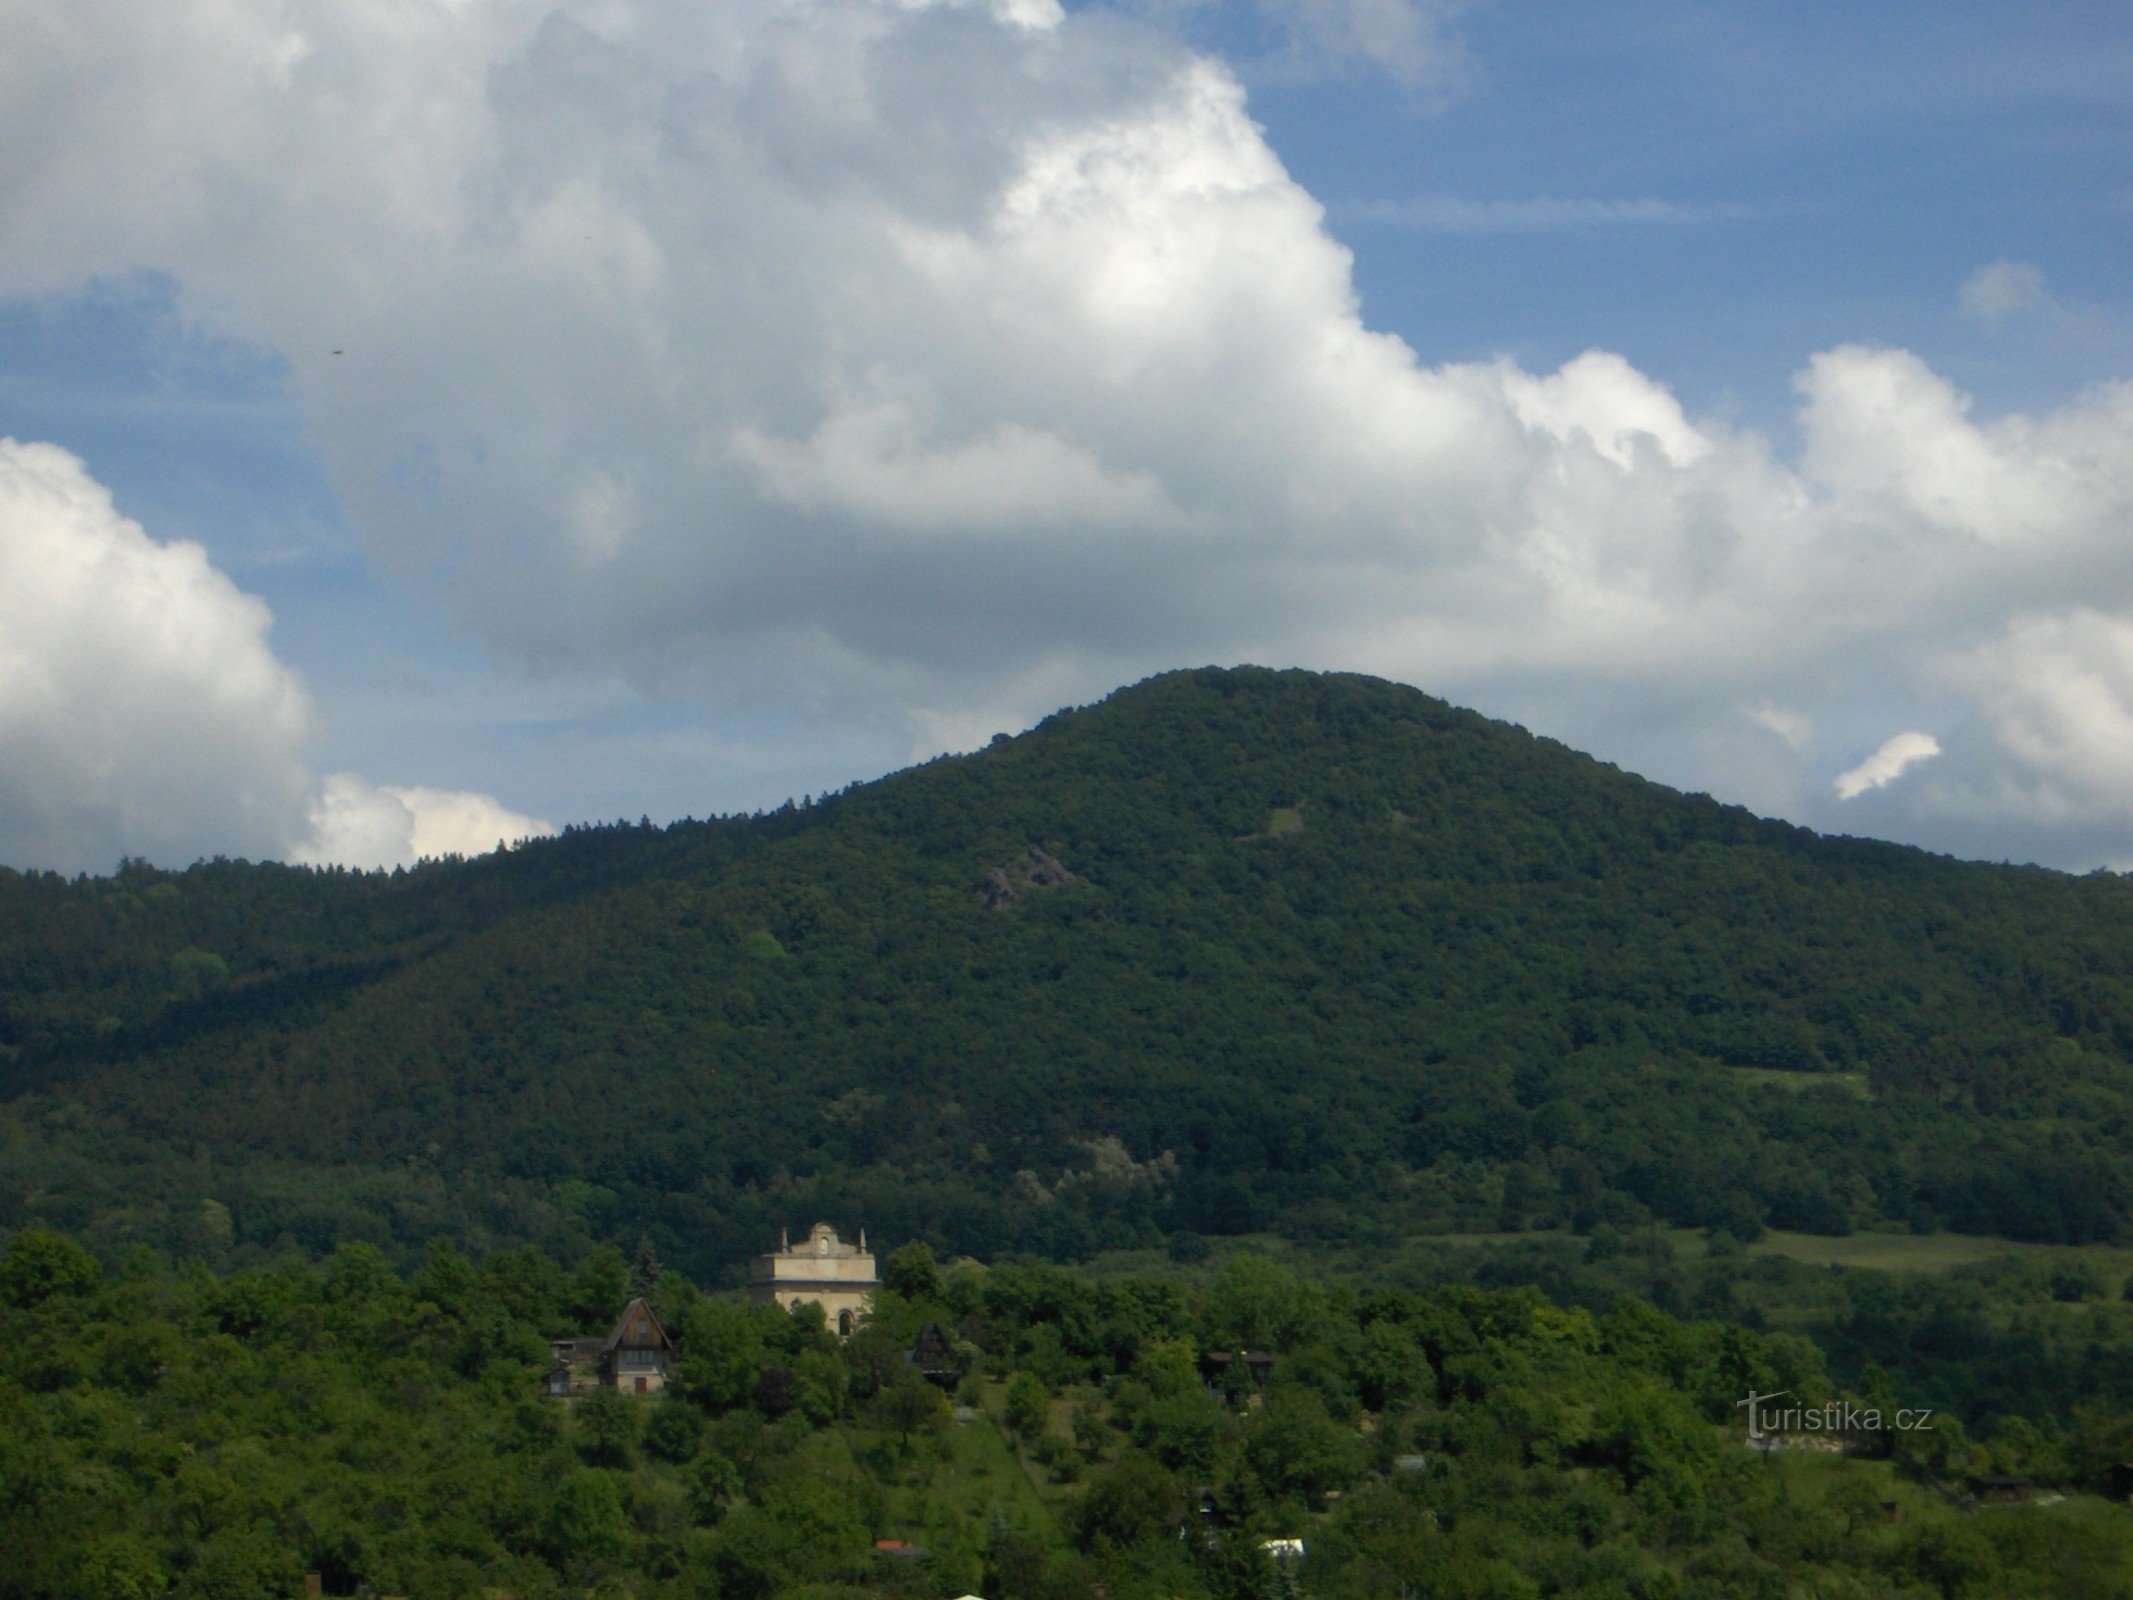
(1230,950)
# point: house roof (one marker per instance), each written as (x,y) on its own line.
(638,1328)
(934,1351)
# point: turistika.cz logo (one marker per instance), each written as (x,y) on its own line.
(1839,1418)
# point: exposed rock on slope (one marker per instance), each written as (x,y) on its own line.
(1003,886)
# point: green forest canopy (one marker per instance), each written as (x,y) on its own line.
(1326,957)
(214,1438)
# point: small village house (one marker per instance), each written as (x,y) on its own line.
(933,1354)
(634,1358)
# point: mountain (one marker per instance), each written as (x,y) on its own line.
(1230,950)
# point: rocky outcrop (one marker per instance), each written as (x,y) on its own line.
(1002,887)
(1043,871)
(1111,1166)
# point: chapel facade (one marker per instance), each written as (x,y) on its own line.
(822,1268)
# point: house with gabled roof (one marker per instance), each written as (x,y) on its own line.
(934,1356)
(635,1357)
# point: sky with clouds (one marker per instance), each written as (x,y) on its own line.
(431,421)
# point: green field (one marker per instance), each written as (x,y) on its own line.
(1875,1252)
(1923,1252)
(1852,1083)
(1878,1252)
(969,1477)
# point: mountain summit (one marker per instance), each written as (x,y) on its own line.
(1229,950)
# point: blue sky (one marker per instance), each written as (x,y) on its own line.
(1811,175)
(731,409)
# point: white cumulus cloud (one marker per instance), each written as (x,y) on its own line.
(353,822)
(2057,690)
(2002,289)
(1895,757)
(142,709)
(933,364)
(144,712)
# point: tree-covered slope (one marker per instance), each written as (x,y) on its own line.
(1332,957)
(174,1433)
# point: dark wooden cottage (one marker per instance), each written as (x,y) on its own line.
(638,1354)
(934,1356)
(635,1357)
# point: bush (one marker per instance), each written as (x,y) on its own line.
(42,1265)
(239,1564)
(673,1432)
(585,1521)
(1029,1406)
(1134,1499)
(912,1272)
(608,1425)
